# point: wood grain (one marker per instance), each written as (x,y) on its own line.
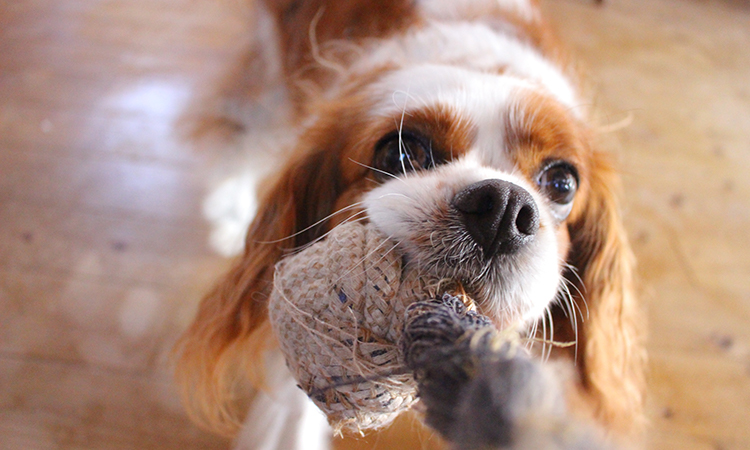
(677,72)
(103,253)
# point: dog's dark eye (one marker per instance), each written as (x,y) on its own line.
(559,181)
(399,153)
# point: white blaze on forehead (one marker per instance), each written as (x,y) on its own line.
(475,47)
(470,92)
(447,9)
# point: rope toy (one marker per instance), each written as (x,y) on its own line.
(365,336)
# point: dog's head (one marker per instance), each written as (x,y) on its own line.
(486,179)
(479,178)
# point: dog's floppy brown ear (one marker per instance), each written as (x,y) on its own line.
(225,344)
(611,356)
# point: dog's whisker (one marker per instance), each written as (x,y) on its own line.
(401,152)
(530,334)
(367,256)
(544,335)
(308,228)
(574,271)
(568,300)
(393,194)
(354,218)
(581,295)
(375,169)
(548,311)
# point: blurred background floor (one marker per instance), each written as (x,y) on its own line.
(103,250)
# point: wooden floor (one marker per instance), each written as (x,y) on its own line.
(104,254)
(681,70)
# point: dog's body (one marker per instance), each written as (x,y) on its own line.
(458,130)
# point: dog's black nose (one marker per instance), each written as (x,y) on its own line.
(500,216)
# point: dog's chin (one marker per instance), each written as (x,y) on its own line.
(510,304)
(513,290)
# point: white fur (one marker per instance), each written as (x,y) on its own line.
(283,418)
(474,47)
(230,208)
(232,204)
(451,9)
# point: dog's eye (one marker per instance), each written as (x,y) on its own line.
(559,181)
(399,153)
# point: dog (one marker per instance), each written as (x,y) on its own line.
(458,129)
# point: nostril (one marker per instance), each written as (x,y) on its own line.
(486,204)
(527,221)
(499,216)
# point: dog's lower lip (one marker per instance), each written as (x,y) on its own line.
(507,247)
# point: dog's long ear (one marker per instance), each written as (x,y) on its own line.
(226,341)
(611,357)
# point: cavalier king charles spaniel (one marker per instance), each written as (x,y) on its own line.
(458,129)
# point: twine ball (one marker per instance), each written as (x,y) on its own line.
(337,309)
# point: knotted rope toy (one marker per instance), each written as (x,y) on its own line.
(339,309)
(365,336)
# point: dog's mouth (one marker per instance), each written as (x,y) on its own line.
(494,285)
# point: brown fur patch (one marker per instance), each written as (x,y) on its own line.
(541,130)
(301,22)
(452,134)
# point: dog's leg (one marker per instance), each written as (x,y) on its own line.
(283,418)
